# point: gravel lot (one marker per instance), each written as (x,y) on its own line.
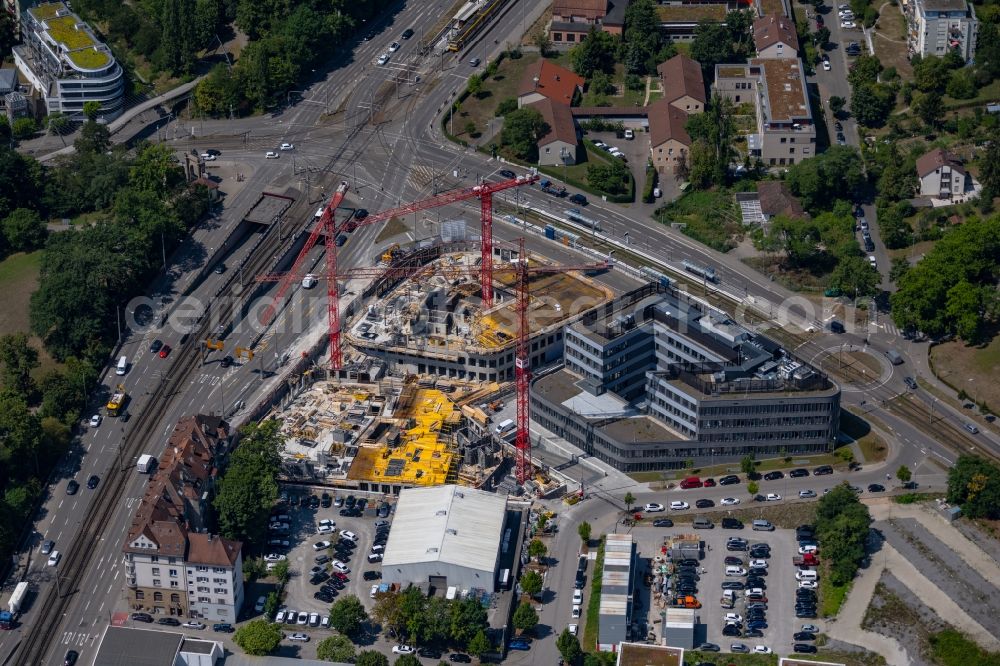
(946,569)
(897,612)
(781,583)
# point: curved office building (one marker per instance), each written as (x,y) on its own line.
(67,64)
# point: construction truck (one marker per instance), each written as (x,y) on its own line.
(14,604)
(390,254)
(117,401)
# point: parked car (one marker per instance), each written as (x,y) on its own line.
(663,522)
(677,505)
(654,507)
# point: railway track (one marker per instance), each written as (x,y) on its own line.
(39,638)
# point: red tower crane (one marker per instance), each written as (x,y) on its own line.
(522,359)
(328,225)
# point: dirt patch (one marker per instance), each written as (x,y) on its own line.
(394,227)
(896,612)
(970,369)
(528,38)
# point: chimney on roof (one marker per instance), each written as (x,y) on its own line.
(210,537)
(557,77)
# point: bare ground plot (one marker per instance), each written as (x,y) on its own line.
(890,41)
(970,369)
(480,109)
(897,612)
(945,568)
(984,533)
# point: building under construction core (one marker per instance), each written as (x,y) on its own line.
(433,322)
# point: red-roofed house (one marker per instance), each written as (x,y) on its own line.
(775,37)
(941,174)
(572,20)
(558,147)
(669,142)
(683,83)
(173,566)
(546,80)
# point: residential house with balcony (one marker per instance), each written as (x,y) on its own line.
(935,27)
(775,37)
(941,174)
(173,565)
(783,131)
(67,64)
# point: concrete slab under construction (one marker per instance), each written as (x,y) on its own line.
(269,208)
(433,322)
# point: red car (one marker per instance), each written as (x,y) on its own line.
(165,351)
(709,483)
(339,576)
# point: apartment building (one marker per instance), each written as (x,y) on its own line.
(776,89)
(941,174)
(654,380)
(173,565)
(935,27)
(573,19)
(67,64)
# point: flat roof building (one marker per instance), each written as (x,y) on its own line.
(64,60)
(617,589)
(653,380)
(448,536)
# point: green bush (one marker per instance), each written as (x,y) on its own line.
(647,191)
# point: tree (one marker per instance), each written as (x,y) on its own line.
(217,94)
(371,658)
(753,488)
(711,45)
(821,37)
(629,500)
(962,84)
(336,648)
(467,617)
(91,110)
(18,359)
(347,615)
(475,84)
(611,178)
(930,108)
(842,522)
(258,637)
(871,104)
(837,105)
(521,131)
(855,275)
(974,484)
(24,128)
(543,42)
(596,53)
(583,529)
(248,489)
(822,180)
(525,617)
(930,73)
(407,660)
(479,645)
(280,571)
(900,266)
(904,474)
(569,647)
(24,230)
(437,621)
(989,170)
(93,139)
(273,601)
(747,465)
(715,129)
(531,583)
(470,128)
(643,40)
(864,71)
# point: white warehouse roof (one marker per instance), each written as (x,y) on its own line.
(449,524)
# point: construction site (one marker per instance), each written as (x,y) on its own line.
(441,331)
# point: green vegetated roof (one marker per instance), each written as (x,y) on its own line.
(691,13)
(46,11)
(89,58)
(63,29)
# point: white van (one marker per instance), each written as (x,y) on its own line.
(122,367)
(735,571)
(806,575)
(309,281)
(504,427)
(760,525)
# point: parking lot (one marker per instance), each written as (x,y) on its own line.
(780,584)
(303,535)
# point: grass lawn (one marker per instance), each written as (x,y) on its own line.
(973,369)
(594,603)
(952,648)
(987,93)
(18,279)
(503,85)
(892,26)
(625,97)
(831,597)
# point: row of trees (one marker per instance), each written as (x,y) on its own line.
(286,44)
(952,289)
(419,619)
